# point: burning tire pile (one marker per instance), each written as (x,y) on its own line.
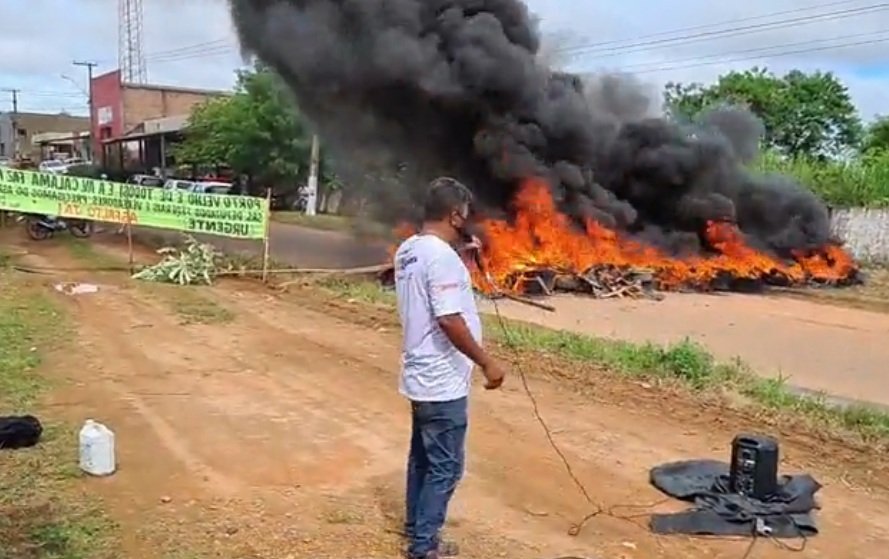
(542,252)
(579,188)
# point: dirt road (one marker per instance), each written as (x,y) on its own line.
(264,425)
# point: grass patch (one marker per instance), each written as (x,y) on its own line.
(85,251)
(859,182)
(190,305)
(324,222)
(40,516)
(27,321)
(685,362)
(363,291)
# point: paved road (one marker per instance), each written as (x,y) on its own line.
(834,350)
(817,347)
(298,246)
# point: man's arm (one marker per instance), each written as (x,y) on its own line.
(444,278)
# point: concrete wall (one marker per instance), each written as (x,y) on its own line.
(143,103)
(865,231)
(7,139)
(121,107)
(29,124)
(108,107)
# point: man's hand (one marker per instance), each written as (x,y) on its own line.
(474,244)
(470,251)
(494,376)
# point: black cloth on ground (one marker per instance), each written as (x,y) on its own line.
(718,512)
(19,431)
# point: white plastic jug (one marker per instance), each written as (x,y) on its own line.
(97,449)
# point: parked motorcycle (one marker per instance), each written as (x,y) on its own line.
(42,227)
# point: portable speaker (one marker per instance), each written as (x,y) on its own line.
(753,471)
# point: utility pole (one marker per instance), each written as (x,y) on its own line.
(15,120)
(94,137)
(312,194)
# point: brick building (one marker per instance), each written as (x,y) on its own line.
(17,131)
(134,123)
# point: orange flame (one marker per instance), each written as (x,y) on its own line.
(542,238)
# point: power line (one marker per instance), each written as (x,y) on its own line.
(199,54)
(218,47)
(185,49)
(195,48)
(226,45)
(776,55)
(731,32)
(646,66)
(54,109)
(53,94)
(709,25)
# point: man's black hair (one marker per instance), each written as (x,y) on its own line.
(444,196)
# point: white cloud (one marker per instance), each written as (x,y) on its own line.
(808,35)
(34,55)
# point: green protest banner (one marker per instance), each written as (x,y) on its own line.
(243,217)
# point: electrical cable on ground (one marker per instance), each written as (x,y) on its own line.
(597,509)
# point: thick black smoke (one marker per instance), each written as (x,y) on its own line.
(455,87)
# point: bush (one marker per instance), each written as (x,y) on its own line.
(863,181)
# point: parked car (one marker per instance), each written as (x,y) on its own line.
(208,187)
(146,180)
(52,166)
(212,187)
(176,184)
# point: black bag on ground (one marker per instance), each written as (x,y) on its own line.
(19,431)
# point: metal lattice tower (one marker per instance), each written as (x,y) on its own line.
(130,56)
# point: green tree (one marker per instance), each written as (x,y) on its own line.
(805,114)
(258,131)
(877,138)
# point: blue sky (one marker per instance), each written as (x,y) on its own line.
(192,44)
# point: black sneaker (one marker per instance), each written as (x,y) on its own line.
(445,549)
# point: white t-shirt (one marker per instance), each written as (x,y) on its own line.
(432,281)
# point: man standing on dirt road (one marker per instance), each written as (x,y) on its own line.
(442,340)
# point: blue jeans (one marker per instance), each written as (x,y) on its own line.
(435,466)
